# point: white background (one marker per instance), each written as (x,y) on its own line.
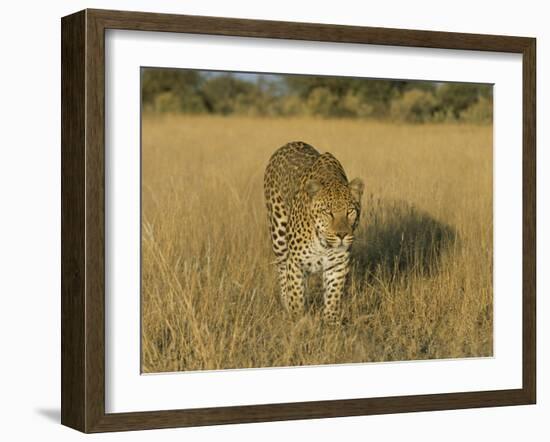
(30,219)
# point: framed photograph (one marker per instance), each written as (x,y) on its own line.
(267,221)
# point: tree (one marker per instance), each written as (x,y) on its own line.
(225,93)
(457,97)
(179,87)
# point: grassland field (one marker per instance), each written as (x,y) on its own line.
(421,280)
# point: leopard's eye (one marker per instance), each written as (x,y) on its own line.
(352,214)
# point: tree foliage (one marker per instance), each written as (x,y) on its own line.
(190,91)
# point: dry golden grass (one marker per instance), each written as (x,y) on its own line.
(421,283)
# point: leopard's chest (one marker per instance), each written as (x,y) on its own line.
(313,263)
(306,248)
(316,258)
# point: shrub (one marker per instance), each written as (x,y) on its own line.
(479,112)
(166,102)
(414,106)
(353,105)
(292,105)
(321,102)
(457,97)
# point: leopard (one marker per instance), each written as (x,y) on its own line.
(313,212)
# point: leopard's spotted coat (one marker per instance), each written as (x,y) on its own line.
(313,211)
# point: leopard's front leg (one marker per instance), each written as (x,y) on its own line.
(281,269)
(334,280)
(295,287)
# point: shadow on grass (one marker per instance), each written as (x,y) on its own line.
(395,239)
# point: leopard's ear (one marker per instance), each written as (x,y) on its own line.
(312,187)
(356,187)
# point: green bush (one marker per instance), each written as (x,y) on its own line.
(166,102)
(414,106)
(291,105)
(479,112)
(443,116)
(457,97)
(353,105)
(321,102)
(188,91)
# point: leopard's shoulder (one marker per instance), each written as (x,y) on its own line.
(285,169)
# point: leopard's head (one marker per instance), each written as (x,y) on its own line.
(335,209)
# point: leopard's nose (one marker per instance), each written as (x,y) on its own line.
(341,235)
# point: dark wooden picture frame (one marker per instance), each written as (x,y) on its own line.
(83,219)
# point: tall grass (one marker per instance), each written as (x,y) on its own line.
(421,282)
